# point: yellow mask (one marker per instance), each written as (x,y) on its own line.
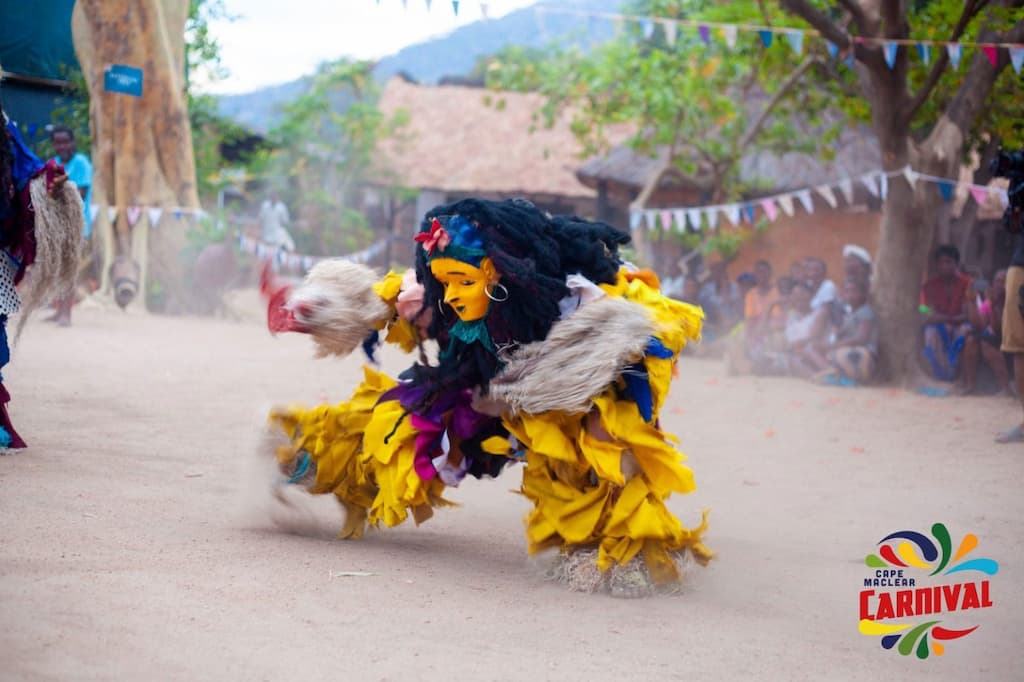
(465,287)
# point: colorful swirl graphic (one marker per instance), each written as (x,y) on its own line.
(910,549)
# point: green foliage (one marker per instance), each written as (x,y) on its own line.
(325,146)
(700,102)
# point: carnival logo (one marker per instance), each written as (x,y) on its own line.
(918,590)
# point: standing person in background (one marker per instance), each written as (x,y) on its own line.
(1013,331)
(79,171)
(986,317)
(274,220)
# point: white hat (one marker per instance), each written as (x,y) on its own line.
(858,251)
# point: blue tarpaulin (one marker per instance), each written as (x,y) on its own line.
(35,38)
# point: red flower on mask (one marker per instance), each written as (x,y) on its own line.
(438,238)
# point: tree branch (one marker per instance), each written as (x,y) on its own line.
(857,12)
(828,29)
(787,84)
(971,9)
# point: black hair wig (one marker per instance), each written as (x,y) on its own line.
(533,253)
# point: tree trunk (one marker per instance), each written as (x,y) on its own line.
(142,146)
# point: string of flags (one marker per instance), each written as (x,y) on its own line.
(694,218)
(133,213)
(484,6)
(298,262)
(794,37)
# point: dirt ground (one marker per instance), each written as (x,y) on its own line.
(135,541)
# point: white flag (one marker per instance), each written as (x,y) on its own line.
(680,219)
(670,31)
(693,215)
(112,214)
(732,212)
(846,187)
(93,212)
(868,180)
(634,220)
(883,185)
(911,175)
(804,196)
(730,35)
(786,202)
(154,216)
(827,194)
(712,214)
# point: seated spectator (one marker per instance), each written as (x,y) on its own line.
(758,301)
(944,303)
(985,313)
(857,263)
(796,271)
(823,290)
(746,282)
(803,327)
(852,352)
(720,298)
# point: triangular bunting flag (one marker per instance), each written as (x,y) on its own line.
(705,34)
(1017,58)
(924,51)
(651,218)
(618,25)
(796,41)
(666,220)
(846,187)
(748,209)
(770,209)
(766,37)
(428,5)
(112,214)
(992,53)
(154,216)
(93,212)
(455,7)
(693,217)
(483,10)
(980,194)
(890,49)
(868,179)
(712,216)
(732,212)
(670,31)
(883,185)
(405,4)
(634,220)
(827,194)
(833,49)
(910,175)
(804,196)
(850,61)
(730,35)
(133,213)
(647,28)
(786,202)
(946,190)
(679,215)
(955,52)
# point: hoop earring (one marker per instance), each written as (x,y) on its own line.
(440,307)
(490,292)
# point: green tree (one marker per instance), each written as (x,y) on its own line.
(697,107)
(326,146)
(928,117)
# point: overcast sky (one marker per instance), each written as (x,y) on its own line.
(274,41)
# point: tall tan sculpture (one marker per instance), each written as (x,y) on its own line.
(142,145)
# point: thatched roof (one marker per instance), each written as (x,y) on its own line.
(856,153)
(460,139)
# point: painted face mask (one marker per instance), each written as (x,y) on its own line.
(465,286)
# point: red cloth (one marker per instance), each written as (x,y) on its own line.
(946,300)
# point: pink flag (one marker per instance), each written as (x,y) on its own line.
(666,220)
(769,208)
(980,194)
(992,53)
(133,213)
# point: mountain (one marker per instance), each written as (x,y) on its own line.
(452,55)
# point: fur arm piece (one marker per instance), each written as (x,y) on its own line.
(580,357)
(59,222)
(337,305)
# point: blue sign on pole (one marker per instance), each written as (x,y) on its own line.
(124,79)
